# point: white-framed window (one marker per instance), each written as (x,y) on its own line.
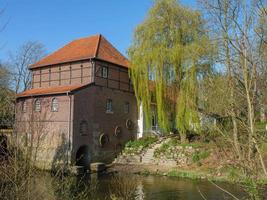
(37,105)
(126,107)
(104,72)
(54,105)
(24,106)
(109,106)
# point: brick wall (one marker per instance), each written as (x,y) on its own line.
(47,131)
(90,105)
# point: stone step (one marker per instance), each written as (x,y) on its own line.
(147,157)
(147,161)
(149,154)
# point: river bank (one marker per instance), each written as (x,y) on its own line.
(167,157)
(193,174)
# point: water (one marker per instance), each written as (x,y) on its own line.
(147,187)
(168,188)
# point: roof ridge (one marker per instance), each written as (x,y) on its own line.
(97,45)
(116,49)
(86,37)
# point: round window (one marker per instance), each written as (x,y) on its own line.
(103,139)
(129,124)
(118,131)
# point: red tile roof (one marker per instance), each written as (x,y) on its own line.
(51,90)
(90,47)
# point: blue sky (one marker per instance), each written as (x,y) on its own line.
(57,22)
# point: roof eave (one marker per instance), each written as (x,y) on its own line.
(55,93)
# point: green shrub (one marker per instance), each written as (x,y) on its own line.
(165,147)
(198,156)
(136,146)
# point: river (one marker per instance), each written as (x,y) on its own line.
(147,187)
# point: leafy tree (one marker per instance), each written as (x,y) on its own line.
(170,49)
(7,98)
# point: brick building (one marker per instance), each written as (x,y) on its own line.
(81,107)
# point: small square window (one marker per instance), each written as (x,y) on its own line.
(109,106)
(126,107)
(104,72)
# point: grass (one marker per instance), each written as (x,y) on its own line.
(183,174)
(260,125)
(193,145)
(190,174)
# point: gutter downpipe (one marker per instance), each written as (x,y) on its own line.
(69,132)
(93,70)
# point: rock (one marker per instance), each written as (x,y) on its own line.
(97,167)
(77,170)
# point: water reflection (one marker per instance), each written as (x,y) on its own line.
(150,187)
(161,188)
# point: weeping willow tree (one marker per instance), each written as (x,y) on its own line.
(169,50)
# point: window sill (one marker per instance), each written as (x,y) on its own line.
(109,112)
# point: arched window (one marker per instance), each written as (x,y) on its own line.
(37,105)
(54,105)
(109,106)
(83,128)
(24,106)
(126,107)
(103,139)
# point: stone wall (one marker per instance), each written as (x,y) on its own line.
(165,152)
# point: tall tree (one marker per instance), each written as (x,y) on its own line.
(6,99)
(27,54)
(169,50)
(235,26)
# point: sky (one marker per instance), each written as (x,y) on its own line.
(57,22)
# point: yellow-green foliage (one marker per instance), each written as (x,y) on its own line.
(169,49)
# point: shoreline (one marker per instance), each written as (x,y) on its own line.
(166,171)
